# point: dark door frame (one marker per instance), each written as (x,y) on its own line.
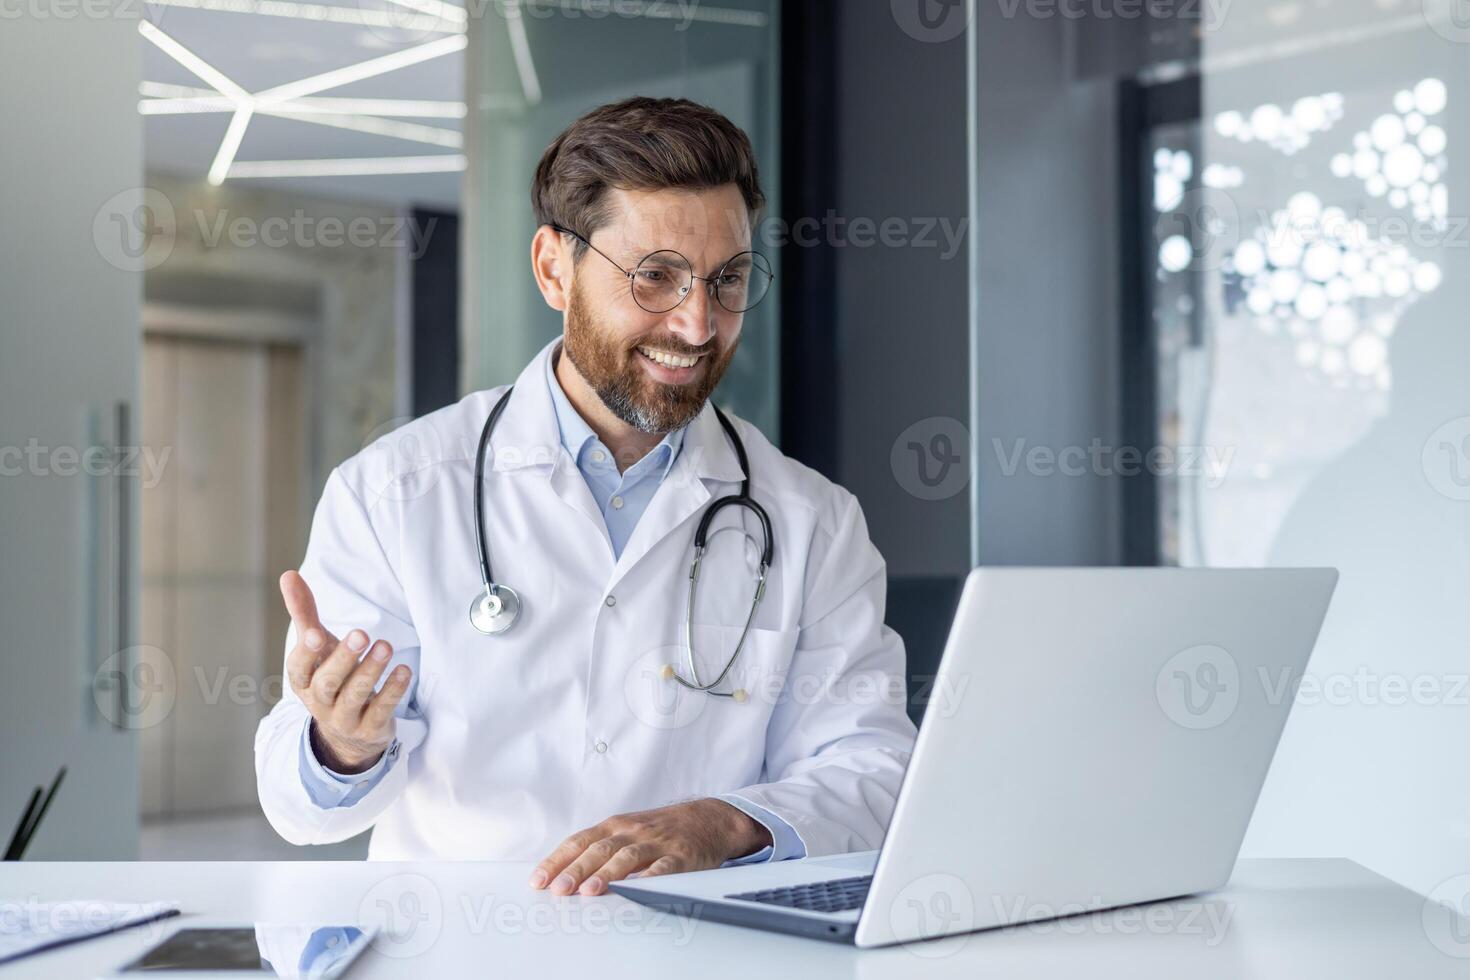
(1142,109)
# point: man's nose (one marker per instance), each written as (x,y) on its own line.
(693,319)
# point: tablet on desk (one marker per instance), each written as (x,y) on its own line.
(259,950)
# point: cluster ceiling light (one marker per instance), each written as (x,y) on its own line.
(1329,283)
(1401,156)
(1172,170)
(1324,280)
(1285,129)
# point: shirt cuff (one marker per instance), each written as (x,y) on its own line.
(785,842)
(328,789)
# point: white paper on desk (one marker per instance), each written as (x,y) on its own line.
(28,926)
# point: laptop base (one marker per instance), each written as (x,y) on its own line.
(772,919)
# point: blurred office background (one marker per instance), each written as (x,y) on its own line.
(1114,283)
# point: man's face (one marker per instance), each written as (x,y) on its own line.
(609,337)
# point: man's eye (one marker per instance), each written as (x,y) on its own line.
(732,279)
(654,275)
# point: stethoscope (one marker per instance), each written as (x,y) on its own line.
(497,608)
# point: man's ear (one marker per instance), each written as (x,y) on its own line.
(551,263)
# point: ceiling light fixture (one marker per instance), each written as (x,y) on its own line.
(166,99)
(279,101)
(437,8)
(520,47)
(363,69)
(396,128)
(326,13)
(244,102)
(361,167)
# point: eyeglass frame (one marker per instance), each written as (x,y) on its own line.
(712,280)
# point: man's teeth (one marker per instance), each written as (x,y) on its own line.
(668,360)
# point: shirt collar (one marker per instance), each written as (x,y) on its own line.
(577,435)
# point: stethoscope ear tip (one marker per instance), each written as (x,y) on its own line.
(666,672)
(739,695)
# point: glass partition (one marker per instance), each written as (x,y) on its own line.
(1309,252)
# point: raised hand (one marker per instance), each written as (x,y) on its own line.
(335,680)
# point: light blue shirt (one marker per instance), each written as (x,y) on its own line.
(621,498)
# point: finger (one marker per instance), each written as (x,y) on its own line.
(306,655)
(326,683)
(312,640)
(666,865)
(300,665)
(379,711)
(598,853)
(358,687)
(634,857)
(565,853)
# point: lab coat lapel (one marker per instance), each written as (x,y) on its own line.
(527,440)
(706,467)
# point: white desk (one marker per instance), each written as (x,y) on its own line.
(1289,919)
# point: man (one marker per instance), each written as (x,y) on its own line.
(569,738)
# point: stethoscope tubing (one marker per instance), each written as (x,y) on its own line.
(743,500)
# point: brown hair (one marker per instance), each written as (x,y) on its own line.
(639,144)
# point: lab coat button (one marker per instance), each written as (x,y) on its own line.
(611,601)
(601,747)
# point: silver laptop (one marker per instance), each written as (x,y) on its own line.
(1095,737)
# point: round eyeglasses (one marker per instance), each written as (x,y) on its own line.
(664,279)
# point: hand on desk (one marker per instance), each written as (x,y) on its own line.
(352,725)
(691,836)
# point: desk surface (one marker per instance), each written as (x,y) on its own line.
(1296,919)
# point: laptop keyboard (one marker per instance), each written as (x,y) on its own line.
(837,895)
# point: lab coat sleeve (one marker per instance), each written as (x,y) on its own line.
(327,788)
(350,566)
(785,844)
(839,737)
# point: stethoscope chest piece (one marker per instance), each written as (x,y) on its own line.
(495,610)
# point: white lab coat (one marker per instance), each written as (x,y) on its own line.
(511,742)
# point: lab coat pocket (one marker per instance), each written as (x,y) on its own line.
(719,741)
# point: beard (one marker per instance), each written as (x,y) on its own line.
(610,368)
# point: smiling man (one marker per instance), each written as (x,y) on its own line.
(578,703)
